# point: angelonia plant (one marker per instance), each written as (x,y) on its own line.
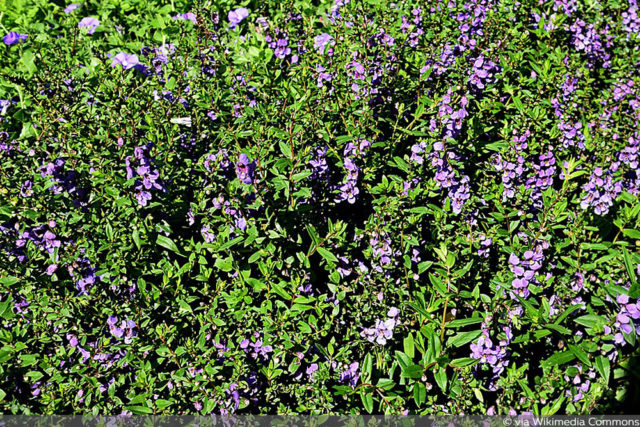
(319,207)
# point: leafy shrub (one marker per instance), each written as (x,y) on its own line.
(314,207)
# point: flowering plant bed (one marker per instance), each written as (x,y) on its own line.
(319,207)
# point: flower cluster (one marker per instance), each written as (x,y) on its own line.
(140,166)
(483,73)
(351,376)
(90,24)
(544,171)
(383,329)
(580,385)
(627,320)
(245,169)
(525,270)
(496,355)
(349,188)
(256,349)
(126,331)
(588,40)
(601,190)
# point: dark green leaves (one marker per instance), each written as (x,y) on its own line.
(559,359)
(634,291)
(167,243)
(327,255)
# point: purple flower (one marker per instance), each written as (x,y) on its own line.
(127,60)
(351,375)
(187,16)
(321,41)
(127,329)
(237,16)
(245,169)
(311,369)
(14,38)
(71,7)
(51,269)
(383,330)
(89,23)
(26,189)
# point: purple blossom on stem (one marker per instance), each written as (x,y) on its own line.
(126,60)
(71,7)
(189,16)
(237,16)
(89,23)
(321,41)
(14,37)
(245,169)
(351,376)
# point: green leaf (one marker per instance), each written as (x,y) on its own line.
(163,351)
(566,313)
(437,283)
(367,365)
(257,255)
(558,328)
(463,338)
(409,346)
(8,281)
(385,384)
(559,359)
(367,401)
(634,234)
(167,243)
(594,246)
(28,359)
(464,361)
(279,289)
(163,403)
(441,379)
(530,309)
(140,410)
(604,368)
(591,321)
(6,311)
(285,149)
(313,233)
(184,306)
(552,409)
(518,103)
(224,264)
(34,375)
(136,238)
(634,290)
(230,244)
(403,359)
(464,322)
(580,354)
(327,255)
(419,394)
(412,371)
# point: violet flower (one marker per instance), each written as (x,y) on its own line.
(237,16)
(71,7)
(126,60)
(14,38)
(89,23)
(187,16)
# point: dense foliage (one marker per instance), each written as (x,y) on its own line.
(319,207)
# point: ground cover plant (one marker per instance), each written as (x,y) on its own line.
(319,207)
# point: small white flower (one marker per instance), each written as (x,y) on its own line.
(186,121)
